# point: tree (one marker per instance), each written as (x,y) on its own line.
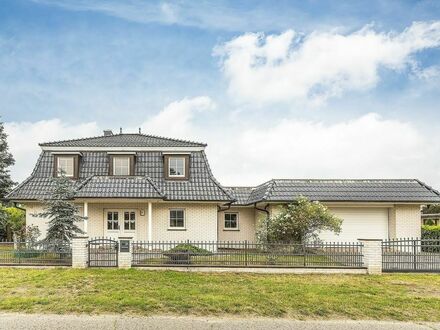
(12,222)
(6,160)
(300,221)
(62,212)
(431,209)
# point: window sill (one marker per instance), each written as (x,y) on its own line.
(177,229)
(231,229)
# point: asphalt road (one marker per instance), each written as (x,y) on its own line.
(38,321)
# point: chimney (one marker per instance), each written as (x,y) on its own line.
(140,131)
(108,132)
(120,130)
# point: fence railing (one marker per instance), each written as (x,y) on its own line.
(411,255)
(247,254)
(30,253)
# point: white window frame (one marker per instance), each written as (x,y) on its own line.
(129,221)
(238,222)
(169,219)
(118,221)
(115,158)
(183,168)
(61,171)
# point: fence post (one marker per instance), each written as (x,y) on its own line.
(245,253)
(124,252)
(372,251)
(80,254)
(414,243)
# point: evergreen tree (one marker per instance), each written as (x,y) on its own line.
(62,213)
(6,160)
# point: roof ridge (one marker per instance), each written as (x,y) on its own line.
(120,134)
(428,187)
(270,188)
(346,179)
(155,186)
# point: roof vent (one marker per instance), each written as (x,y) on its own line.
(108,132)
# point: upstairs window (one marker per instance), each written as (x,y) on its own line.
(121,165)
(65,165)
(176,167)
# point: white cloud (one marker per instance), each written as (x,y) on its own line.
(175,120)
(291,67)
(365,147)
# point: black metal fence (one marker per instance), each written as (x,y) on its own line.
(103,252)
(411,255)
(31,254)
(247,254)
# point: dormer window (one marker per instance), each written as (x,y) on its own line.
(176,167)
(65,166)
(121,165)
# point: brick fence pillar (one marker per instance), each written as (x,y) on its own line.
(124,252)
(80,254)
(372,251)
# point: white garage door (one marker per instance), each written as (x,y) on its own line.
(359,223)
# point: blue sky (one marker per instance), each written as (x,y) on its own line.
(327,89)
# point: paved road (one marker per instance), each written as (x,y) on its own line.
(62,322)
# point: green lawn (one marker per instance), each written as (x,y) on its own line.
(138,292)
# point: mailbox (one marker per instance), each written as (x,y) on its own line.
(124,245)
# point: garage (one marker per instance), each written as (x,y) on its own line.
(359,222)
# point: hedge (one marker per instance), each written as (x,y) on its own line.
(432,232)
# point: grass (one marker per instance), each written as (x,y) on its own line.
(137,292)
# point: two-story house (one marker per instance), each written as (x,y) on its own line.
(160,189)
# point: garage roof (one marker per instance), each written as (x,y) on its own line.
(287,190)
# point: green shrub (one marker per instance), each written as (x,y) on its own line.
(190,249)
(431,232)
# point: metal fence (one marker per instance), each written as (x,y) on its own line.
(411,255)
(103,252)
(30,254)
(247,254)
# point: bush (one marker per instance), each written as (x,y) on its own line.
(190,249)
(431,232)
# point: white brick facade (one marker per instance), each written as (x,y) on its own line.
(246,225)
(372,252)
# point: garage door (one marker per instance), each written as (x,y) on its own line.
(359,223)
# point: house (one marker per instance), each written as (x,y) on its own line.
(161,189)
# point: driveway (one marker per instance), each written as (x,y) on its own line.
(104,322)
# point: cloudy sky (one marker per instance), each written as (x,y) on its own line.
(285,89)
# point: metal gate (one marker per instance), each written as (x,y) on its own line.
(103,252)
(411,255)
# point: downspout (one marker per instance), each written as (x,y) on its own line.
(265,211)
(220,209)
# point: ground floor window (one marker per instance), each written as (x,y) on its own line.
(129,220)
(177,218)
(112,220)
(231,220)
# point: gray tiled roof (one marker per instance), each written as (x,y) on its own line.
(279,190)
(124,140)
(148,181)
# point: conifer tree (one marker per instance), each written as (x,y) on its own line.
(62,213)
(6,160)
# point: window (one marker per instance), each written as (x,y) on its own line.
(176,167)
(177,219)
(112,220)
(65,166)
(130,220)
(121,165)
(231,221)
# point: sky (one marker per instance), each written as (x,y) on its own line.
(285,89)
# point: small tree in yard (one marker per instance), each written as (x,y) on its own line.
(62,212)
(300,221)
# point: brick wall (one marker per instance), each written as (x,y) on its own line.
(246,225)
(407,222)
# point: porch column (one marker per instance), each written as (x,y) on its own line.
(150,221)
(86,215)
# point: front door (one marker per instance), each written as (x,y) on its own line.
(120,222)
